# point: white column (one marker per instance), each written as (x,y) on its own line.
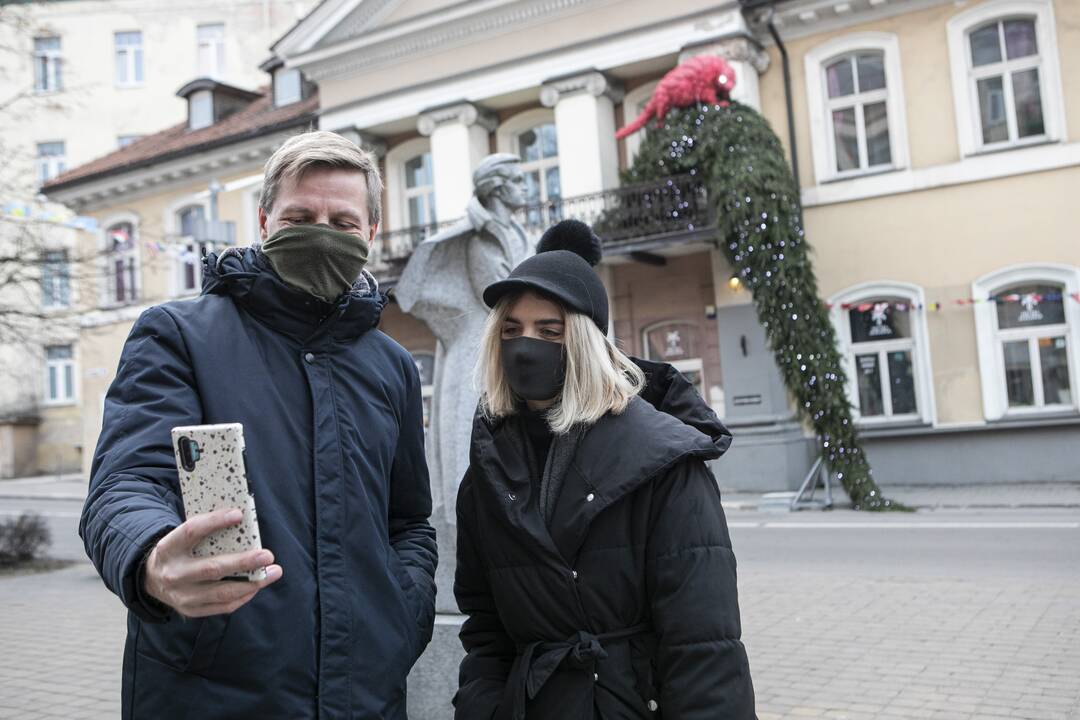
(585,127)
(746,58)
(459,141)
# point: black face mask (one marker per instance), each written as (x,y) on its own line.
(535,369)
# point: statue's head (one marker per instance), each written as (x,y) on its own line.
(499,177)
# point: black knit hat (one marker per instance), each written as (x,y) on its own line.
(562,269)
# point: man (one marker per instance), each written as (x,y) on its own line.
(284,340)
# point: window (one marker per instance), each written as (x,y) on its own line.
(539,151)
(201,110)
(120,279)
(211,50)
(59,375)
(129,58)
(1028,332)
(419,191)
(633,104)
(881,328)
(123,141)
(679,344)
(55,280)
(856,106)
(193,246)
(48,74)
(288,86)
(50,161)
(425,364)
(1005,71)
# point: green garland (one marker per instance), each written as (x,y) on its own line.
(742,164)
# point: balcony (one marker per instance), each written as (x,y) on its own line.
(632,220)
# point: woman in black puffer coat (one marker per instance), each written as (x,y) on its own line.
(594,563)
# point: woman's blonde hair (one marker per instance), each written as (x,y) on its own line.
(599,377)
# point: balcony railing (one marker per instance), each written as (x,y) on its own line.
(629,219)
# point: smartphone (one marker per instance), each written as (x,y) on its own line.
(213,476)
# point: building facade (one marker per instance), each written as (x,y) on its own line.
(936,152)
(79,80)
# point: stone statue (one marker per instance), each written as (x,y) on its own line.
(442,286)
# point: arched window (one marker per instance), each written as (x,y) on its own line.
(532,136)
(121,263)
(856,106)
(881,328)
(679,343)
(1005,75)
(1028,329)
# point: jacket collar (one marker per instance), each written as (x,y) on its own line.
(244,275)
(605,468)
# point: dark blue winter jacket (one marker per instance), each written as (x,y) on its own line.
(332,417)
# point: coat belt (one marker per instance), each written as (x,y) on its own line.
(538,661)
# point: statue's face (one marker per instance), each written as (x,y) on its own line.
(513,192)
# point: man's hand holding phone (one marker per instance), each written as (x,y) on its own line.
(194,586)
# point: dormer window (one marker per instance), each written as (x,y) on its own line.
(210,101)
(200,110)
(288,86)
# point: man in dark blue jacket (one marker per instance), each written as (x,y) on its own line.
(283,339)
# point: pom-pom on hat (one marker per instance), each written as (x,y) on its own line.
(561,269)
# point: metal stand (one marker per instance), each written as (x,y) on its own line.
(804,498)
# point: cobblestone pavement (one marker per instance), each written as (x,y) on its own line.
(905,622)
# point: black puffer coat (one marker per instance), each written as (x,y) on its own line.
(627,607)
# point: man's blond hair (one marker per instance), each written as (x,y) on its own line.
(599,377)
(320,148)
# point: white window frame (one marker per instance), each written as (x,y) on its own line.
(506,136)
(134,58)
(50,166)
(200,101)
(61,281)
(965,94)
(52,79)
(631,109)
(280,99)
(215,46)
(107,295)
(59,366)
(918,344)
(399,194)
(990,339)
(178,244)
(819,104)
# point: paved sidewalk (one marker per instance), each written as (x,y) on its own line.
(847,638)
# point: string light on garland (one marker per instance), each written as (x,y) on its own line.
(743,168)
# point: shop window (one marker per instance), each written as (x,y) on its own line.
(679,344)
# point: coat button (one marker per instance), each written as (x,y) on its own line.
(596,677)
(573,574)
(309,357)
(511,496)
(653,706)
(590,497)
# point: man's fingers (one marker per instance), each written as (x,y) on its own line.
(225,593)
(222,566)
(197,527)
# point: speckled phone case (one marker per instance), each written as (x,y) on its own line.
(218,479)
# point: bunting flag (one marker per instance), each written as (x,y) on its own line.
(1026,298)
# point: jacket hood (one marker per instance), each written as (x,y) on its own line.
(668,391)
(244,275)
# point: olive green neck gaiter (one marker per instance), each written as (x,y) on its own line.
(317,259)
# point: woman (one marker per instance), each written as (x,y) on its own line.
(594,563)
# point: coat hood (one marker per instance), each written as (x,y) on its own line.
(244,275)
(669,391)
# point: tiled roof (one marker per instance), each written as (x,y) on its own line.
(258,118)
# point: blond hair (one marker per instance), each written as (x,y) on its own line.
(320,148)
(599,377)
